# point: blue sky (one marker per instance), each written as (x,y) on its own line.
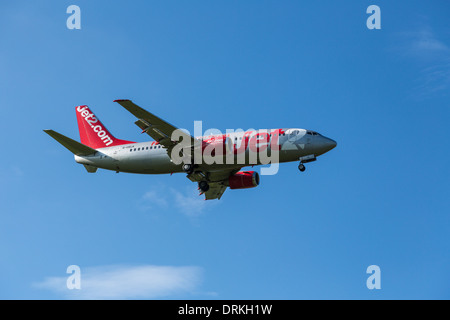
(380,198)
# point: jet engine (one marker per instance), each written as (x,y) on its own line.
(244,180)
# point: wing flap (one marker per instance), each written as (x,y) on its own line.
(215,191)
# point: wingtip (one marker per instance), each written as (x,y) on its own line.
(121,100)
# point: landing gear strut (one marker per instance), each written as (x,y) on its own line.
(305,159)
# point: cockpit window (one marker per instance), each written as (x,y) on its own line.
(311,133)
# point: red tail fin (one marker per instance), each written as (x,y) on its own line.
(92,132)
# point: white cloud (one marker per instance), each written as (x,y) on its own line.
(189,202)
(186,200)
(127,282)
(435,79)
(432,54)
(154,197)
(421,44)
(425,42)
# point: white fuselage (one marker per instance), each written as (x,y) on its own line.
(152,158)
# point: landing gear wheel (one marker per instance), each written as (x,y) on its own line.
(301,167)
(203,185)
(188,168)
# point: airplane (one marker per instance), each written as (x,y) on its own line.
(100,149)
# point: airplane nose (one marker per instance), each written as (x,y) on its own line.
(331,144)
(324,145)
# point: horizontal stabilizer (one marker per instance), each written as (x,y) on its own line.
(73,146)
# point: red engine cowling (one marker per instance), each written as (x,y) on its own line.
(244,180)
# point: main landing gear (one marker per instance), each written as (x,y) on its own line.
(203,186)
(301,167)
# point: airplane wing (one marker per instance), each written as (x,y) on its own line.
(215,191)
(154,126)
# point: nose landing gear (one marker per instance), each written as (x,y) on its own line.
(305,159)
